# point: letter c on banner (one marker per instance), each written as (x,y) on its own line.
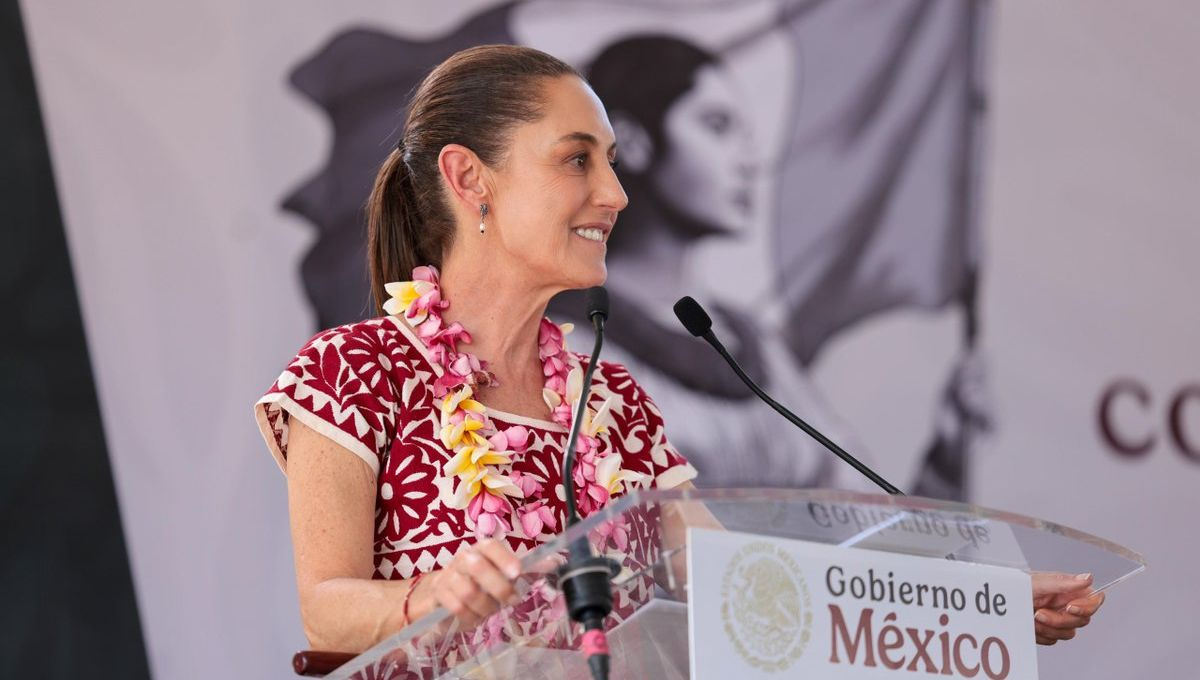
(1108,430)
(1178,433)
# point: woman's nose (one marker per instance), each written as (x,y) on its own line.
(609,194)
(746,170)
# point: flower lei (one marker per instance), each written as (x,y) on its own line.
(482,452)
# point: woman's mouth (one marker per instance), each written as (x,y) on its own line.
(590,233)
(742,200)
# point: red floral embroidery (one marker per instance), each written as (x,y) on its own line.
(369,387)
(407,487)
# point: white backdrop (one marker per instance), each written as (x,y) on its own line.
(170,184)
(1094,240)
(1090,275)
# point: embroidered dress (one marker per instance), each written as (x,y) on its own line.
(374,387)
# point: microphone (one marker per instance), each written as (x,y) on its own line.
(597,306)
(597,312)
(586,579)
(698,323)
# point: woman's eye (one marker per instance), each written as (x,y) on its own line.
(580,162)
(717,121)
(614,164)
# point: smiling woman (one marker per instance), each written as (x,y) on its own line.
(422,458)
(487,126)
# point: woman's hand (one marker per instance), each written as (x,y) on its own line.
(478,582)
(1062,604)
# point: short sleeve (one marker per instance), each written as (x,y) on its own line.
(670,468)
(339,385)
(642,433)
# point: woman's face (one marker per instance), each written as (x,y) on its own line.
(556,196)
(708,170)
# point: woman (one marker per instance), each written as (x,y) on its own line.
(423,448)
(428,442)
(689,165)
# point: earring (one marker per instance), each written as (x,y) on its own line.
(483,211)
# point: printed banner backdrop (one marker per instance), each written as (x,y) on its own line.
(213,158)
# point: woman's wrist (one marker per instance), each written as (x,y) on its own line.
(421,597)
(406,617)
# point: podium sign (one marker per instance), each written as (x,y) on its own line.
(778,583)
(767,607)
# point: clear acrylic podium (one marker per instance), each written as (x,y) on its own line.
(646,532)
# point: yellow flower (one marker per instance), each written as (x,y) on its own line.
(403,296)
(475,477)
(468,460)
(610,475)
(461,419)
(595,422)
(460,398)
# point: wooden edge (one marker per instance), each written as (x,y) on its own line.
(313,663)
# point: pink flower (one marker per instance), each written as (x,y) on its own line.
(464,365)
(429,328)
(528,484)
(460,369)
(490,632)
(429,301)
(426,273)
(550,339)
(515,438)
(451,336)
(554,365)
(593,493)
(561,414)
(439,354)
(587,451)
(486,502)
(543,604)
(615,531)
(553,352)
(585,471)
(535,517)
(558,383)
(593,498)
(447,382)
(586,443)
(491,525)
(488,511)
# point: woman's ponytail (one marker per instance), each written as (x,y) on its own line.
(393,220)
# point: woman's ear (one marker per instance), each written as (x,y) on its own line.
(635,148)
(463,172)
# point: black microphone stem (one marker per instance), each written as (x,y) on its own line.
(577,424)
(793,419)
(585,579)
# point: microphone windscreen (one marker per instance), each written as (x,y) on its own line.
(692,316)
(597,302)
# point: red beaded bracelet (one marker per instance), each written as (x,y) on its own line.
(404,607)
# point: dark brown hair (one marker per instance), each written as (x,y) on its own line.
(621,80)
(475,98)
